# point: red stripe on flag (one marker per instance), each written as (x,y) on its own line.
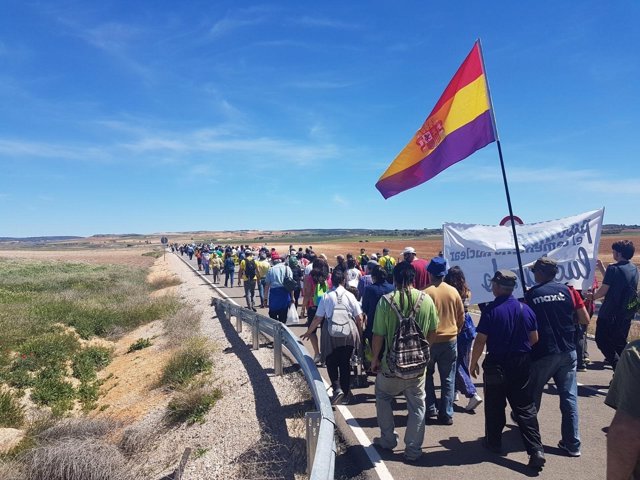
(470,69)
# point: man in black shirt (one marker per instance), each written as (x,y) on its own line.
(620,282)
(554,356)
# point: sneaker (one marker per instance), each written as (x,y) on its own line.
(473,402)
(317,359)
(337,396)
(571,453)
(581,368)
(377,441)
(431,414)
(537,460)
(587,361)
(456,398)
(410,458)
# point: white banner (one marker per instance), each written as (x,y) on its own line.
(481,250)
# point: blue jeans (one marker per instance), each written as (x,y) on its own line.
(386,389)
(464,384)
(261,284)
(562,368)
(445,355)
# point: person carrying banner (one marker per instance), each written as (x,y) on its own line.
(554,355)
(619,286)
(508,329)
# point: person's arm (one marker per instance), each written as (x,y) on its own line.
(533,337)
(376,348)
(476,353)
(312,328)
(583,316)
(623,446)
(600,293)
(600,267)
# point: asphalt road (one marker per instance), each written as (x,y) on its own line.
(455,451)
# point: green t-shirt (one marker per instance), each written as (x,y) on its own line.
(385,322)
(624,391)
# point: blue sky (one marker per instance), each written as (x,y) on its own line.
(153,116)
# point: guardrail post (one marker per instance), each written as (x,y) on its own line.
(312,420)
(238,323)
(256,333)
(277,349)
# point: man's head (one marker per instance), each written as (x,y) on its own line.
(544,269)
(339,258)
(262,255)
(624,249)
(378,274)
(337,277)
(370,266)
(403,275)
(248,253)
(437,267)
(503,282)
(409,254)
(362,250)
(385,251)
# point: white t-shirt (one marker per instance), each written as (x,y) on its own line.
(325,307)
(353,275)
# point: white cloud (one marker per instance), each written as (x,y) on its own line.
(340,200)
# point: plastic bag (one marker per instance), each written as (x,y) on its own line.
(292,315)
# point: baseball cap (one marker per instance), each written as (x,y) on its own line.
(437,267)
(545,265)
(505,278)
(408,250)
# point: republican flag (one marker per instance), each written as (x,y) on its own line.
(459,124)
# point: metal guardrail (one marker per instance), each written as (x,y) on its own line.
(321,446)
(321,449)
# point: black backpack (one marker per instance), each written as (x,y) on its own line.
(250,269)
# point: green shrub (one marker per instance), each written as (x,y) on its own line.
(11,411)
(163,282)
(188,362)
(88,394)
(52,390)
(48,349)
(89,360)
(192,406)
(154,254)
(139,344)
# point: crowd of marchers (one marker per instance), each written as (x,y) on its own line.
(406,318)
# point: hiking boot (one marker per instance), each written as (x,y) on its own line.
(571,453)
(537,460)
(473,403)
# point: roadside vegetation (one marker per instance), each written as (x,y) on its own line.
(48,314)
(39,300)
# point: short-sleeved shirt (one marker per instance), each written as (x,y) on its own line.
(275,275)
(506,322)
(624,391)
(622,278)
(243,266)
(386,321)
(421,279)
(554,305)
(328,302)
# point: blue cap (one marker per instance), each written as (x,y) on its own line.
(437,267)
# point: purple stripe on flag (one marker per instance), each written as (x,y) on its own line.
(457,146)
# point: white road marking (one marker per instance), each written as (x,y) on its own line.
(374,457)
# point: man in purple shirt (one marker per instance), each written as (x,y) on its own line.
(508,328)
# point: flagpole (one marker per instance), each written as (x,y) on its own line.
(504,173)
